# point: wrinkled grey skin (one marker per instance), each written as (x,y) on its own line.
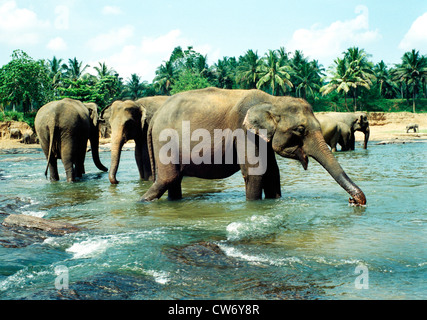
(64,128)
(292,132)
(357,121)
(129,121)
(334,132)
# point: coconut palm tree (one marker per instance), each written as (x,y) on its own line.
(412,71)
(74,69)
(248,71)
(165,77)
(134,88)
(362,69)
(273,75)
(104,71)
(56,71)
(342,79)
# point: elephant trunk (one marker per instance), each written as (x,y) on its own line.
(365,143)
(117,143)
(315,146)
(94,144)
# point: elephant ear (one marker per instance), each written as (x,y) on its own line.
(93,112)
(143,116)
(260,117)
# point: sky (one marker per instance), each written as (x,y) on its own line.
(133,36)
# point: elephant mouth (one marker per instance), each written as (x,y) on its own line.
(296,153)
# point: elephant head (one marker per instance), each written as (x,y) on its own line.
(362,124)
(294,132)
(94,134)
(127,120)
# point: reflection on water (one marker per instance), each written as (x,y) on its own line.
(305,245)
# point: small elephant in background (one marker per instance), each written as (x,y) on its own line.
(15,133)
(64,128)
(412,126)
(335,132)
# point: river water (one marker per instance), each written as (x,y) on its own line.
(213,244)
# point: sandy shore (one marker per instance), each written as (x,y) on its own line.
(385,128)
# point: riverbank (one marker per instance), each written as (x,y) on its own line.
(385,127)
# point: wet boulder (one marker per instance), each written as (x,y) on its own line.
(30,222)
(203,254)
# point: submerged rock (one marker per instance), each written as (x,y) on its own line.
(105,286)
(19,230)
(203,254)
(48,226)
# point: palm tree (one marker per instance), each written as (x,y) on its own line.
(134,88)
(308,80)
(343,78)
(248,71)
(362,69)
(56,71)
(224,72)
(274,75)
(165,77)
(412,71)
(386,87)
(74,69)
(104,71)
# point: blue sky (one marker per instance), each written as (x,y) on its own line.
(137,36)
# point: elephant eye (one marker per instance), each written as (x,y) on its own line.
(300,130)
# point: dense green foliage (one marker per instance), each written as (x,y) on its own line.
(352,83)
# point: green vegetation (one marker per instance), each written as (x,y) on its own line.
(352,82)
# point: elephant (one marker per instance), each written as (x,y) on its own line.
(15,133)
(269,125)
(412,126)
(104,124)
(129,120)
(357,121)
(64,128)
(334,132)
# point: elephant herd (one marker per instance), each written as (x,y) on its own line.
(180,128)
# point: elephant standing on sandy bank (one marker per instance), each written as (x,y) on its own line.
(335,132)
(268,125)
(129,120)
(64,128)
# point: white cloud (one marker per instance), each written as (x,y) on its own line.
(111,10)
(329,42)
(57,44)
(416,37)
(20,26)
(144,58)
(111,39)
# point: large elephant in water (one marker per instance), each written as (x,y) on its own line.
(357,121)
(129,120)
(252,118)
(64,128)
(335,132)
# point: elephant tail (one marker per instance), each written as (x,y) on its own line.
(51,137)
(151,150)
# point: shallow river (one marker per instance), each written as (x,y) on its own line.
(213,244)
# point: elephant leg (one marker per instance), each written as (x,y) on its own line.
(67,160)
(175,190)
(80,164)
(271,178)
(168,178)
(253,186)
(142,160)
(53,169)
